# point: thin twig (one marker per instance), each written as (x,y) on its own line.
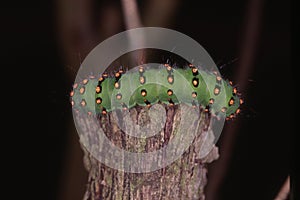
(131,14)
(133,20)
(284,190)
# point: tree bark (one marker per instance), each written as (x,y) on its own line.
(185,178)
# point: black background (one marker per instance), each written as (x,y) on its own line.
(261,157)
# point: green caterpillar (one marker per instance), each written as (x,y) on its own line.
(147,86)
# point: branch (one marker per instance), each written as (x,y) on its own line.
(284,191)
(131,14)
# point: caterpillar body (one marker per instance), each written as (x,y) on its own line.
(147,86)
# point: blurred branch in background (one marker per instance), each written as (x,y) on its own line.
(284,190)
(157,13)
(131,14)
(78,33)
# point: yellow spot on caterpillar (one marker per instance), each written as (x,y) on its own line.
(98,89)
(170,79)
(195,82)
(241,101)
(105,74)
(142,79)
(194,94)
(143,93)
(117,85)
(117,74)
(141,69)
(75,85)
(72,93)
(238,111)
(170,92)
(83,103)
(92,76)
(231,101)
(216,91)
(219,78)
(81,90)
(85,81)
(169,68)
(101,79)
(119,96)
(234,91)
(194,70)
(98,100)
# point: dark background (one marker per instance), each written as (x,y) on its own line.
(261,156)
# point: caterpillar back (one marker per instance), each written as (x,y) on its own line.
(147,86)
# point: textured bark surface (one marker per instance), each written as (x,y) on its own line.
(185,178)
